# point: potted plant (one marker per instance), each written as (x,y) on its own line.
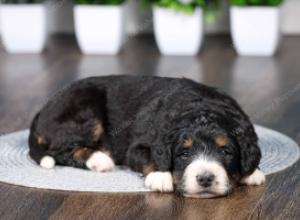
(99,25)
(178,25)
(23,25)
(255,26)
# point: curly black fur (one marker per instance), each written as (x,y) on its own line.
(145,121)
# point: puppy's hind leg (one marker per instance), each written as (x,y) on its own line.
(47,162)
(76,157)
(100,162)
(86,158)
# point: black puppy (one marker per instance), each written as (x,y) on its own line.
(175,131)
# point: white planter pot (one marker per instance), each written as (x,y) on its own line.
(177,33)
(255,30)
(99,29)
(23,28)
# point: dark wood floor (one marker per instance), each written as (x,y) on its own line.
(267,88)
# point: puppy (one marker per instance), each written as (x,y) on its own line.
(181,135)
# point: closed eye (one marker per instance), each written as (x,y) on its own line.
(226,151)
(184,154)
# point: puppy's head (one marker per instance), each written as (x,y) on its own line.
(210,161)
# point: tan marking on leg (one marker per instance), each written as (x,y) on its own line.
(40,140)
(175,179)
(82,153)
(98,130)
(148,169)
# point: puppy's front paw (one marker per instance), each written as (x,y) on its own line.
(159,181)
(255,179)
(100,162)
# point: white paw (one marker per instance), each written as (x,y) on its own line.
(47,162)
(100,162)
(159,181)
(256,178)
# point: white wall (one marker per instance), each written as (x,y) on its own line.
(60,18)
(291,17)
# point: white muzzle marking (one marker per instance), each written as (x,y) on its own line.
(220,185)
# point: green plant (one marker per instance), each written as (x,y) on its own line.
(256,2)
(210,7)
(187,6)
(21,1)
(99,2)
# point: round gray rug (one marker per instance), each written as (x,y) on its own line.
(16,167)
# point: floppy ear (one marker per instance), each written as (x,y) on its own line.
(250,154)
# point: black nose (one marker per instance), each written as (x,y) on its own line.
(205,179)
